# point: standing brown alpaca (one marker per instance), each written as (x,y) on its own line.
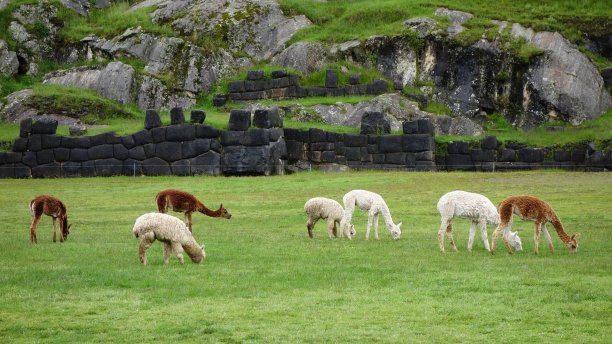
(51,206)
(184,202)
(530,208)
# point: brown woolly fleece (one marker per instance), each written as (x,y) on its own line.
(50,206)
(531,208)
(184,202)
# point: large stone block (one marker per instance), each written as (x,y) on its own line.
(25,127)
(13,157)
(71,169)
(180,132)
(128,141)
(410,127)
(377,87)
(137,153)
(562,155)
(35,143)
(354,140)
(152,119)
(20,144)
(331,79)
(256,137)
(22,171)
(29,159)
(97,140)
(101,152)
(374,122)
(52,170)
(479,155)
(7,171)
(44,126)
(352,153)
(255,75)
(275,134)
(531,155)
(395,158)
(156,167)
(276,74)
(181,168)
(177,116)
(489,142)
(390,144)
(158,134)
(239,120)
(458,147)
(426,127)
(198,116)
(236,86)
(132,167)
(79,154)
(578,155)
(194,148)
(143,137)
(218,100)
(317,135)
(120,152)
(149,150)
(267,118)
(355,79)
(295,150)
(207,132)
(238,160)
(507,155)
(109,167)
(169,151)
(88,168)
(50,141)
(232,138)
(208,163)
(417,143)
(459,162)
(61,154)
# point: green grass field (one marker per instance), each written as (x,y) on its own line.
(265,281)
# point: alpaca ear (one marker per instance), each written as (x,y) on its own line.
(70,225)
(399,224)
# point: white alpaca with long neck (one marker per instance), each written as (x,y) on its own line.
(475,207)
(374,205)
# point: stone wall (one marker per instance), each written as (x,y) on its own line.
(281,86)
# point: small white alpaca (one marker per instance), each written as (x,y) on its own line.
(475,207)
(375,205)
(172,232)
(324,208)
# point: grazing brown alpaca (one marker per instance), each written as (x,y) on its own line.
(184,202)
(530,208)
(51,206)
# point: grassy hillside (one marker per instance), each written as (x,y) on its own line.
(265,281)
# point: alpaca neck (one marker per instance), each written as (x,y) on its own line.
(560,230)
(387,216)
(195,252)
(204,210)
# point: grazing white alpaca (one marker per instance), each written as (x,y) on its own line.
(324,208)
(375,205)
(475,207)
(172,232)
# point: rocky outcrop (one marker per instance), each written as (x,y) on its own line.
(16,107)
(80,6)
(457,18)
(183,65)
(113,81)
(9,65)
(396,109)
(564,78)
(258,28)
(35,28)
(302,56)
(152,94)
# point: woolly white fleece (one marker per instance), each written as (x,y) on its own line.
(375,205)
(323,208)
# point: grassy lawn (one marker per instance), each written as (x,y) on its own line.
(265,281)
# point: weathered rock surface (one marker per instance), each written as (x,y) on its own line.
(80,6)
(9,64)
(302,56)
(114,81)
(42,18)
(258,28)
(457,18)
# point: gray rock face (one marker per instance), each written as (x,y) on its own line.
(423,26)
(16,109)
(257,27)
(457,18)
(114,81)
(9,64)
(80,6)
(302,56)
(42,17)
(565,78)
(395,58)
(190,69)
(153,94)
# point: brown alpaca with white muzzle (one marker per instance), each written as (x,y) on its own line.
(531,208)
(51,206)
(184,202)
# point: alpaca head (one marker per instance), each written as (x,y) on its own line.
(224,213)
(197,255)
(515,241)
(351,232)
(572,244)
(396,231)
(65,227)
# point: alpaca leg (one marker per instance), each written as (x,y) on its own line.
(548,238)
(449,234)
(370,219)
(178,250)
(335,229)
(472,235)
(536,238)
(376,226)
(35,221)
(54,229)
(496,233)
(310,226)
(331,227)
(145,243)
(167,252)
(188,222)
(483,234)
(445,223)
(346,219)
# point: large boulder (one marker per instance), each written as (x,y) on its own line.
(395,58)
(114,81)
(258,28)
(80,6)
(9,64)
(35,29)
(305,57)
